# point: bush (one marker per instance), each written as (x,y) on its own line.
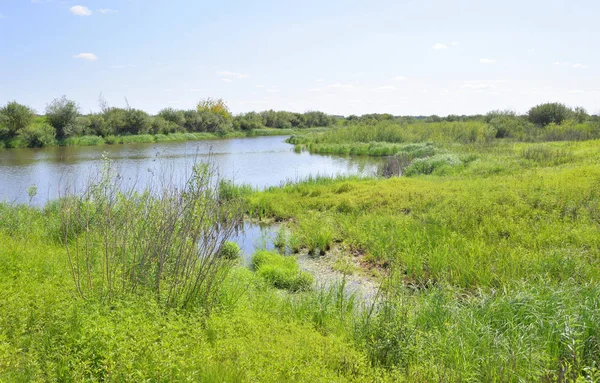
(62,114)
(37,136)
(248,121)
(174,116)
(545,114)
(216,106)
(431,164)
(16,117)
(230,250)
(159,125)
(136,122)
(281,271)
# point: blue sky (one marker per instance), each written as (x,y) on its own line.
(342,57)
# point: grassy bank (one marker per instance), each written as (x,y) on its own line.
(487,250)
(490,259)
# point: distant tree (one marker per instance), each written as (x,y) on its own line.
(316,118)
(172,115)
(4,132)
(16,117)
(217,106)
(433,118)
(580,115)
(136,122)
(38,135)
(62,114)
(248,121)
(548,113)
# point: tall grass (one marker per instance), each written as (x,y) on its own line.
(167,239)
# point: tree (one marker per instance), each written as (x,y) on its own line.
(16,117)
(581,115)
(217,106)
(37,136)
(548,113)
(62,114)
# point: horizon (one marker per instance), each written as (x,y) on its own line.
(342,58)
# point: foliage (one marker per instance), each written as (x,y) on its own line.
(216,106)
(62,114)
(37,136)
(167,243)
(16,117)
(230,250)
(281,271)
(545,114)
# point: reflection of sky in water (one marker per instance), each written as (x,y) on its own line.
(260,162)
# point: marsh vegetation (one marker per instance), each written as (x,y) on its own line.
(486,249)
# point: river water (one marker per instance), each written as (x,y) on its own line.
(259,161)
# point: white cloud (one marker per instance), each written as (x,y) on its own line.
(345,87)
(2,16)
(227,80)
(86,56)
(400,78)
(580,66)
(117,66)
(230,75)
(107,11)
(487,61)
(479,86)
(575,65)
(80,10)
(260,86)
(196,90)
(439,46)
(577,91)
(454,43)
(387,87)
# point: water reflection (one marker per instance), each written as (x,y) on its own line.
(259,161)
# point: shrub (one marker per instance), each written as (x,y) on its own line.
(431,164)
(159,125)
(62,114)
(37,136)
(281,271)
(248,121)
(545,114)
(136,122)
(216,106)
(230,250)
(16,117)
(172,115)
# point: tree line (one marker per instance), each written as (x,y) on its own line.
(63,119)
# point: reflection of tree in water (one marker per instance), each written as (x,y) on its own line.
(368,166)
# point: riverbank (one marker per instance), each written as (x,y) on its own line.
(489,254)
(157,138)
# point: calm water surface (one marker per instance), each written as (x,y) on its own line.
(260,162)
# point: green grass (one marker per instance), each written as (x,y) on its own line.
(281,271)
(488,253)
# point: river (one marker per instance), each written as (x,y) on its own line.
(258,161)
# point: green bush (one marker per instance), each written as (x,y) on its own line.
(430,164)
(62,114)
(16,117)
(281,271)
(174,116)
(230,250)
(37,136)
(545,114)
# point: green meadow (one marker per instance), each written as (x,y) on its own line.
(483,233)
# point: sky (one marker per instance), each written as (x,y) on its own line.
(418,57)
